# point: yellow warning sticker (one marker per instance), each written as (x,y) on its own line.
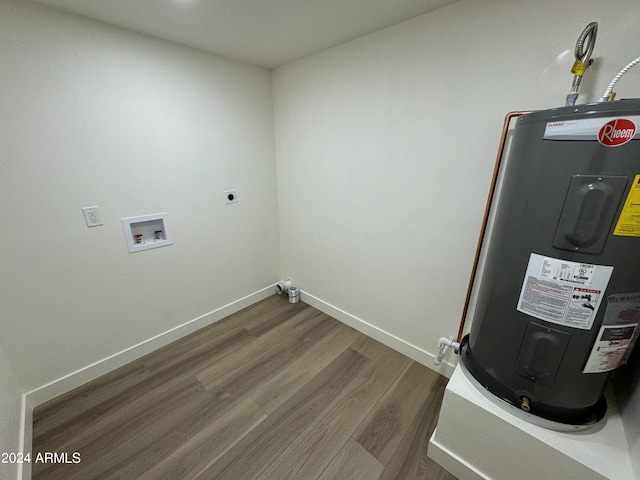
(629,222)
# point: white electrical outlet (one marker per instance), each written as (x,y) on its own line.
(230,196)
(92,216)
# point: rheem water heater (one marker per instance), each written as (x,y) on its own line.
(559,303)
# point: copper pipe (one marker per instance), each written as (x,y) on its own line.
(483,230)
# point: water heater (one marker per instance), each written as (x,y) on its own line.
(558,306)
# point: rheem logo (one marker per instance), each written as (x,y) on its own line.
(616,132)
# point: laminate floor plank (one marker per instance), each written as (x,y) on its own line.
(213,337)
(142,445)
(385,427)
(306,458)
(117,387)
(267,314)
(107,442)
(276,391)
(352,462)
(197,339)
(141,450)
(199,451)
(208,350)
(263,445)
(109,415)
(55,413)
(224,396)
(368,347)
(410,460)
(284,335)
(307,338)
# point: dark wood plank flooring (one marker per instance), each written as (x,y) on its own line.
(278,391)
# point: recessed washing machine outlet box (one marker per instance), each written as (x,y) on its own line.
(147,231)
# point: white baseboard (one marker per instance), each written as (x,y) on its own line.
(26,437)
(415,353)
(42,394)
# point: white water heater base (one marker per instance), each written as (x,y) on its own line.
(478,440)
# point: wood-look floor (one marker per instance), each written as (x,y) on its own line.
(277,391)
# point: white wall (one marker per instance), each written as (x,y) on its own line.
(386,145)
(95,115)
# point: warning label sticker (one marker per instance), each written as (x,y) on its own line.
(563,292)
(610,348)
(629,222)
(618,334)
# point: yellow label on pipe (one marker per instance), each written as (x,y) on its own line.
(579,67)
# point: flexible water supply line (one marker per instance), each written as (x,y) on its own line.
(583,59)
(443,344)
(608,95)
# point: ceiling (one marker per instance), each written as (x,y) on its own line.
(267,33)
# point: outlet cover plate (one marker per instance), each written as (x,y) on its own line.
(92,216)
(230,196)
